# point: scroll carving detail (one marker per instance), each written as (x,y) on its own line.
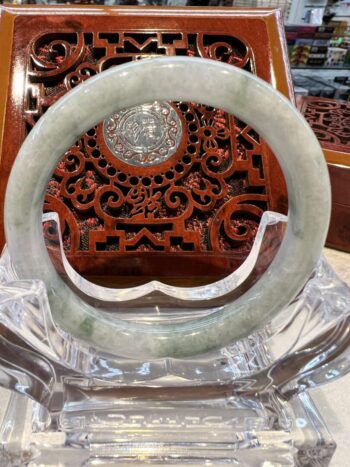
(330,120)
(207,196)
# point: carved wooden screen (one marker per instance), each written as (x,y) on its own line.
(191,209)
(330,120)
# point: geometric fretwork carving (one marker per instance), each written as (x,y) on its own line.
(209,196)
(330,121)
(154,202)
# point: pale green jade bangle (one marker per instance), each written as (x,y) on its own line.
(179,79)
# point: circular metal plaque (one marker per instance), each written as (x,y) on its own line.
(144,135)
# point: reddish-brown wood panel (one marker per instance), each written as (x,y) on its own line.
(330,120)
(197,212)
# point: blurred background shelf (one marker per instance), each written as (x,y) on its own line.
(321,67)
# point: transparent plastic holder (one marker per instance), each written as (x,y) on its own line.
(246,403)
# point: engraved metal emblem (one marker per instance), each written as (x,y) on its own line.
(144,135)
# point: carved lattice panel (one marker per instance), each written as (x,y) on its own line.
(330,120)
(192,210)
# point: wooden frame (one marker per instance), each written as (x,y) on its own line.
(21,26)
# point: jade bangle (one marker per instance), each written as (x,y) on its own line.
(179,79)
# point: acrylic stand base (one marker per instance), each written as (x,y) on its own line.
(245,431)
(246,404)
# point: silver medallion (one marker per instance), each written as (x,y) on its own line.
(144,135)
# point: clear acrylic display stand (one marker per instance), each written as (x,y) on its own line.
(246,404)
